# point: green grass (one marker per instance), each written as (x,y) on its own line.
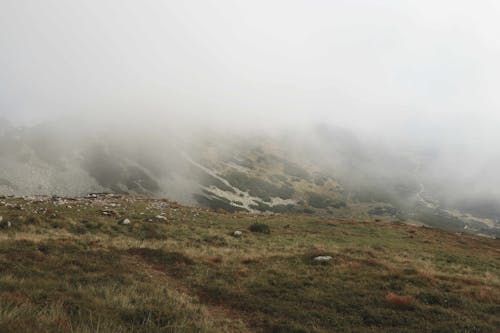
(69,268)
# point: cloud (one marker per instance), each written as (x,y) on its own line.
(412,73)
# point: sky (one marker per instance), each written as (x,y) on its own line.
(424,72)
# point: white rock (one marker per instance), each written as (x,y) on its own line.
(125,222)
(322,258)
(160,217)
(237,234)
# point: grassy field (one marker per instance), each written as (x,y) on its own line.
(68,265)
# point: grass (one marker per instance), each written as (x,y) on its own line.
(65,266)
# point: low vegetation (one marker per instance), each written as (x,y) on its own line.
(67,265)
(258,187)
(260,227)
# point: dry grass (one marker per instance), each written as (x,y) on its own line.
(188,274)
(402,301)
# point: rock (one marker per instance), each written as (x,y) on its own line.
(237,234)
(7,224)
(322,258)
(160,217)
(109,212)
(125,222)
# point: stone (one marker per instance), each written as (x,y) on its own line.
(322,258)
(6,224)
(109,212)
(125,222)
(160,217)
(237,234)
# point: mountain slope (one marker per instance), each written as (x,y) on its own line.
(68,264)
(327,172)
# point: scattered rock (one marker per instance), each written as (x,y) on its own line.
(109,212)
(160,217)
(125,222)
(322,258)
(237,234)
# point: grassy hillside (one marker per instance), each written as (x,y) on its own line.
(69,265)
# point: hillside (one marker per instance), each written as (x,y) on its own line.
(77,265)
(323,172)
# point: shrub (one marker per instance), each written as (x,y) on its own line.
(260,227)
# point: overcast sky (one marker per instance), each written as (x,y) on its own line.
(420,70)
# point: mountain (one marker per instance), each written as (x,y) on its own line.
(325,171)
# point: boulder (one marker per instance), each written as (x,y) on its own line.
(237,234)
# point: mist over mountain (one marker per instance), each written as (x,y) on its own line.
(249,166)
(262,106)
(320,169)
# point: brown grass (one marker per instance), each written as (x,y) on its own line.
(350,265)
(401,301)
(487,294)
(247,261)
(216,259)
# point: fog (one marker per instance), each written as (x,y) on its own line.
(403,75)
